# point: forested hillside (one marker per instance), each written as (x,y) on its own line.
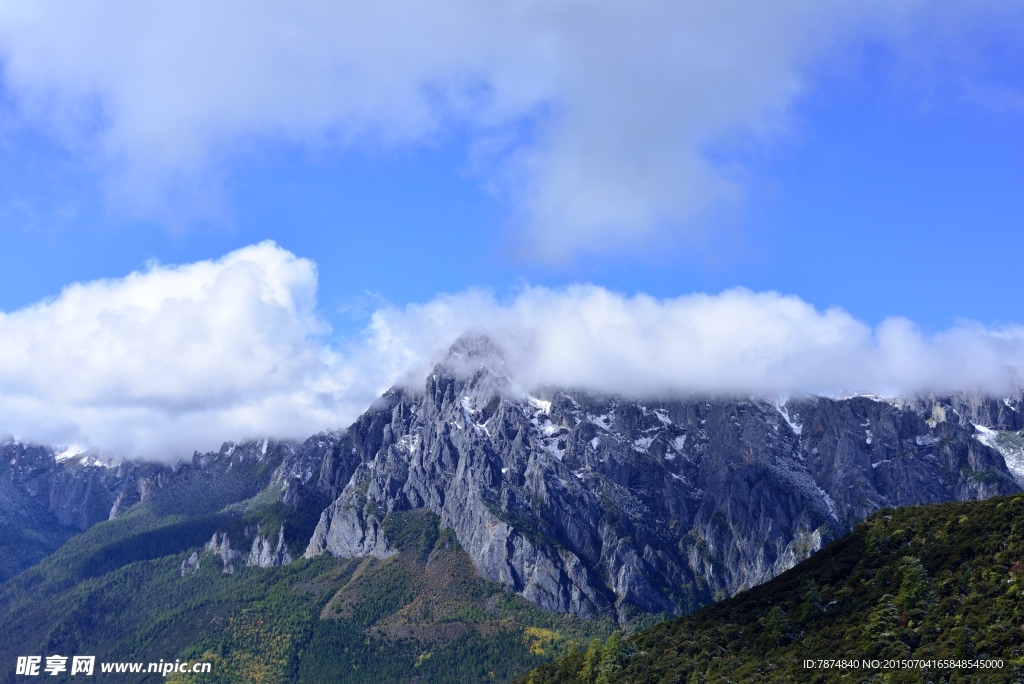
(133,589)
(935,583)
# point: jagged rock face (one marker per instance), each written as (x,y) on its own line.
(353,531)
(220,545)
(591,504)
(78,495)
(263,553)
(868,454)
(266,554)
(997,414)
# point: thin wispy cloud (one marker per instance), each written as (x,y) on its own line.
(594,119)
(177,358)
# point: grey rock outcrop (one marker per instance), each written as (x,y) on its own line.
(220,545)
(190,565)
(266,554)
(350,527)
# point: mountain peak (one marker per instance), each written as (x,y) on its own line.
(473,351)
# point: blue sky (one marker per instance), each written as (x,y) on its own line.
(881,195)
(866,158)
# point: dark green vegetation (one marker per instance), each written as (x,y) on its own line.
(117,591)
(22,545)
(943,581)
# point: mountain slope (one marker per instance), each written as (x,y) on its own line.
(421,614)
(940,582)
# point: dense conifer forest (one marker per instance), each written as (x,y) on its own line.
(927,584)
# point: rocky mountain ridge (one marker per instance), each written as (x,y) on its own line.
(45,499)
(591,504)
(582,503)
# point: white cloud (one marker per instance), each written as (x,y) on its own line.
(622,98)
(738,341)
(173,358)
(177,358)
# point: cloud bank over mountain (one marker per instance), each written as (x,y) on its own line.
(738,341)
(598,121)
(176,358)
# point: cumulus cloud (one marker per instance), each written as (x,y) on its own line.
(172,358)
(595,118)
(177,358)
